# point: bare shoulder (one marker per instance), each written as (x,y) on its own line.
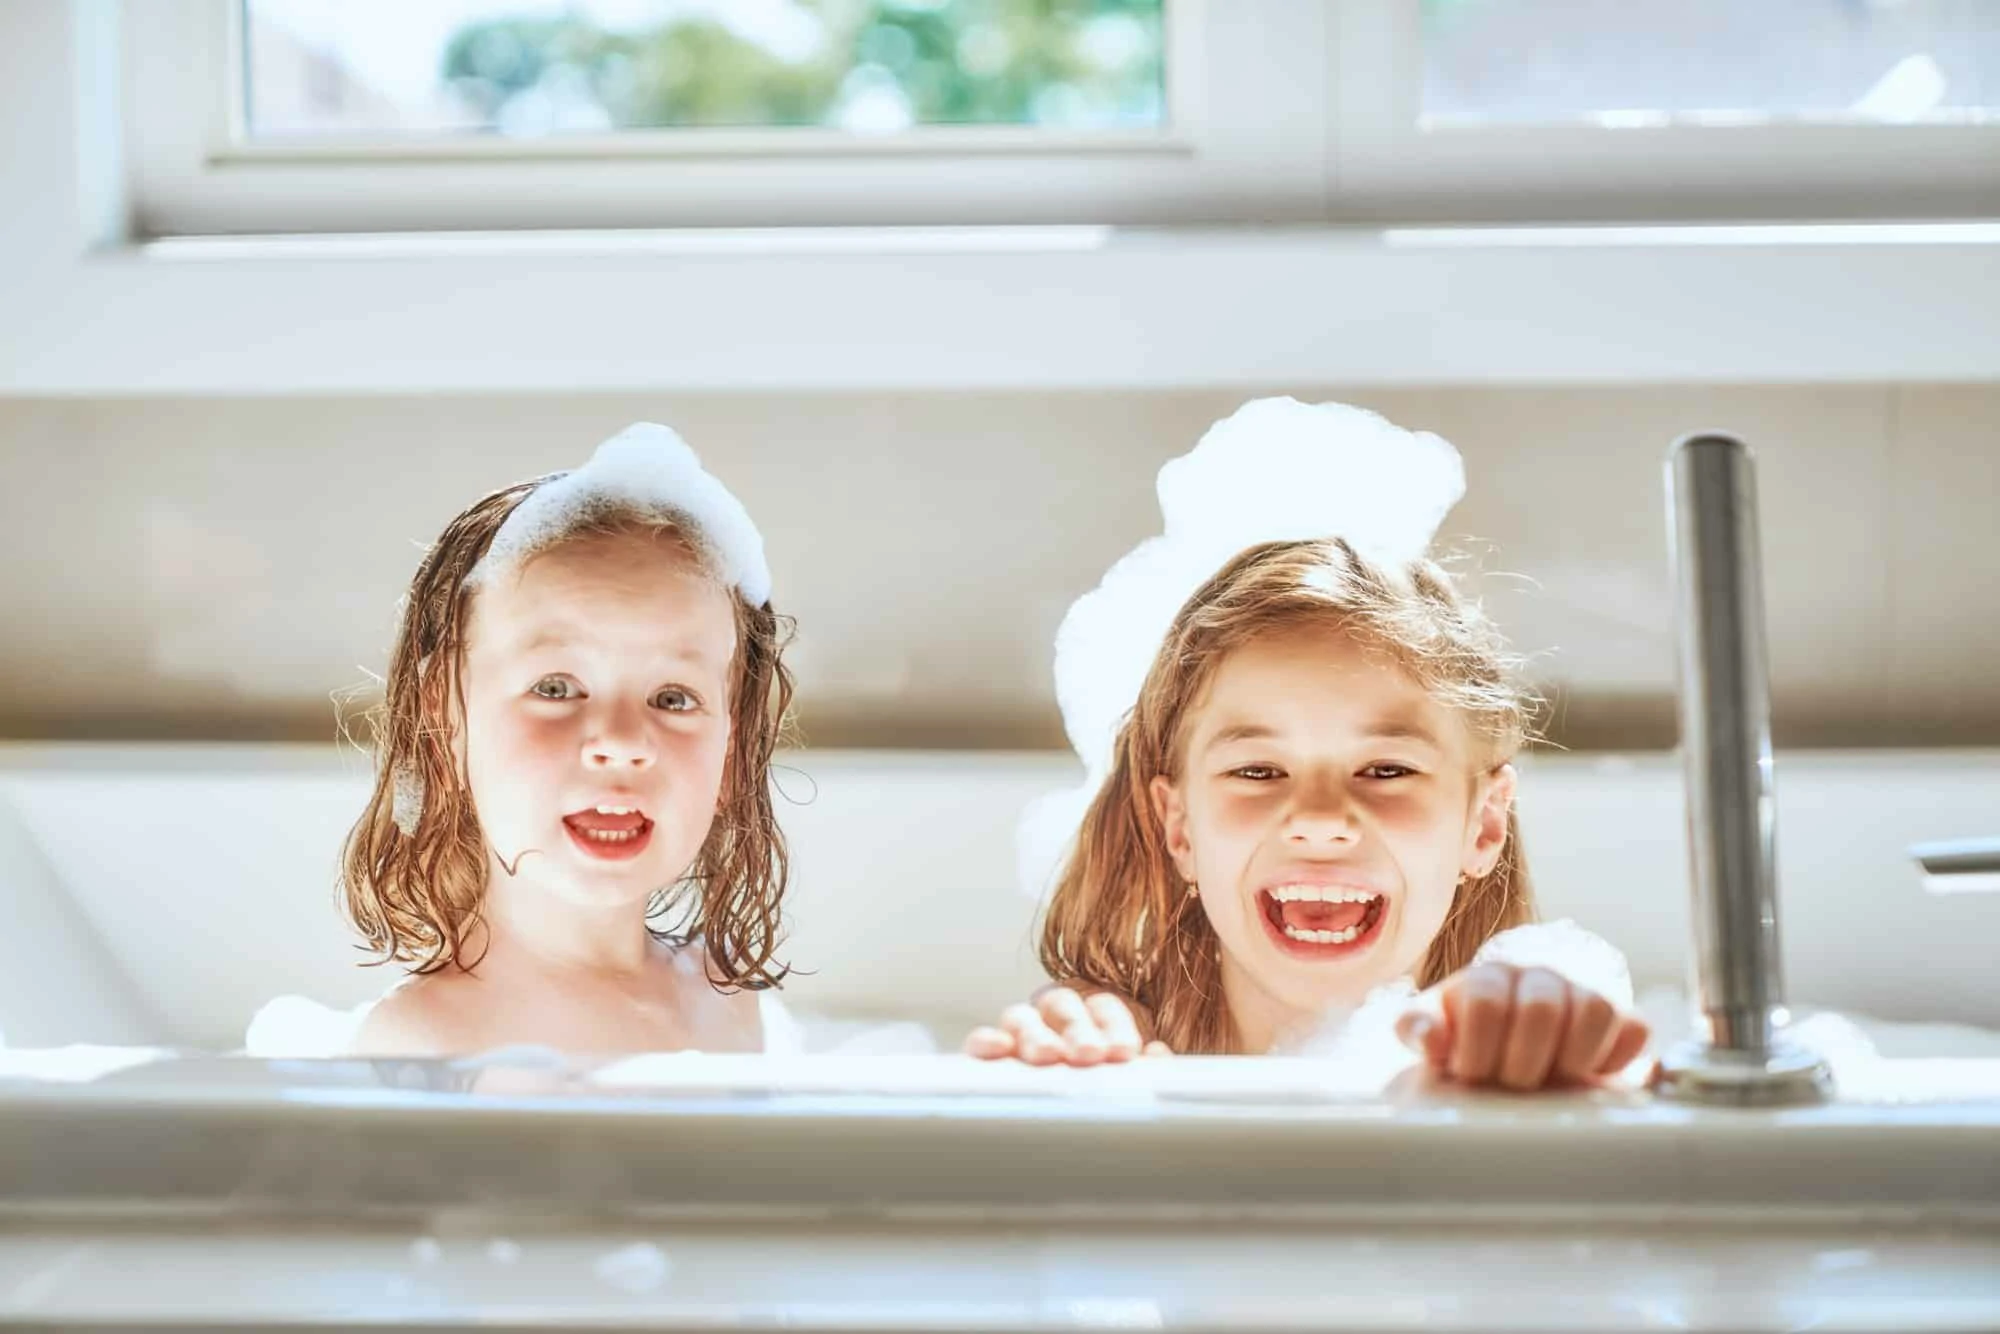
(425,1016)
(742,1014)
(723,1016)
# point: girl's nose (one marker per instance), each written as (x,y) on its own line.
(618,741)
(1321,817)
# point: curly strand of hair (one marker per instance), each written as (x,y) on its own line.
(745,852)
(1481,909)
(413,898)
(1194,1021)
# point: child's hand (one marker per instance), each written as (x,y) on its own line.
(1520,1028)
(1061,1027)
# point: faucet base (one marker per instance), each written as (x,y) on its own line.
(1781,1075)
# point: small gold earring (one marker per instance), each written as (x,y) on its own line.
(1193,889)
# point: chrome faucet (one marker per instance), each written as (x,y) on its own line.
(1745,1058)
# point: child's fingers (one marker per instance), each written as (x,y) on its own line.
(1423,1030)
(1065,1013)
(1626,1045)
(989,1043)
(1114,1021)
(1476,1005)
(1593,1024)
(1411,1026)
(1535,1035)
(1034,1041)
(1437,1044)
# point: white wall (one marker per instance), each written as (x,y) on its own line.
(227,564)
(214,892)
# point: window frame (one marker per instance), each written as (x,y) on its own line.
(1280,112)
(94,309)
(191,173)
(1393,168)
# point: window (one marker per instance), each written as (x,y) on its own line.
(524,71)
(1492,62)
(248,116)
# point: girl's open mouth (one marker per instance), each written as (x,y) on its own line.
(609,833)
(1322,921)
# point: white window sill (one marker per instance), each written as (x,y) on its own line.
(1026,308)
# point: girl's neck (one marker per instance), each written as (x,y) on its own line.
(1259,1021)
(1256,1018)
(534,923)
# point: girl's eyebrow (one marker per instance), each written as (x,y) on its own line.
(1392,728)
(556,637)
(1240,732)
(1402,729)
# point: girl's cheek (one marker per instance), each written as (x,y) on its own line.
(1404,817)
(1235,814)
(517,736)
(523,741)
(698,748)
(1412,808)
(701,732)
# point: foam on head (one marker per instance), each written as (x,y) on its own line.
(645,470)
(1275,470)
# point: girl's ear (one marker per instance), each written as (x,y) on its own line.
(1171,808)
(1486,834)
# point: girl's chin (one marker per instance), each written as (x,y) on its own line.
(1318,985)
(600,893)
(571,876)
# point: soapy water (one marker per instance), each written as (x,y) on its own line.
(297,1027)
(1361,1040)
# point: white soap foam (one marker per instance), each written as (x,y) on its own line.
(297,1027)
(650,469)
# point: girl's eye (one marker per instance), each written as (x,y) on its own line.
(555,687)
(1257,773)
(676,700)
(1387,771)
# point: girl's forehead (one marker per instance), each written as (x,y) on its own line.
(1309,679)
(1316,659)
(619,555)
(618,592)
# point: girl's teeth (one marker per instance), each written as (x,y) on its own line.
(617,810)
(610,835)
(1321,894)
(1323,937)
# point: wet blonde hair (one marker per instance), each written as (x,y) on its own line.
(415,897)
(1121,919)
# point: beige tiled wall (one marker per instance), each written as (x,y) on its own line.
(220,568)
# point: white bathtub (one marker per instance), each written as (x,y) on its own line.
(878,1192)
(935,1193)
(140,923)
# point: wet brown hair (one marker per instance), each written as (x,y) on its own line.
(1120,918)
(416,897)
